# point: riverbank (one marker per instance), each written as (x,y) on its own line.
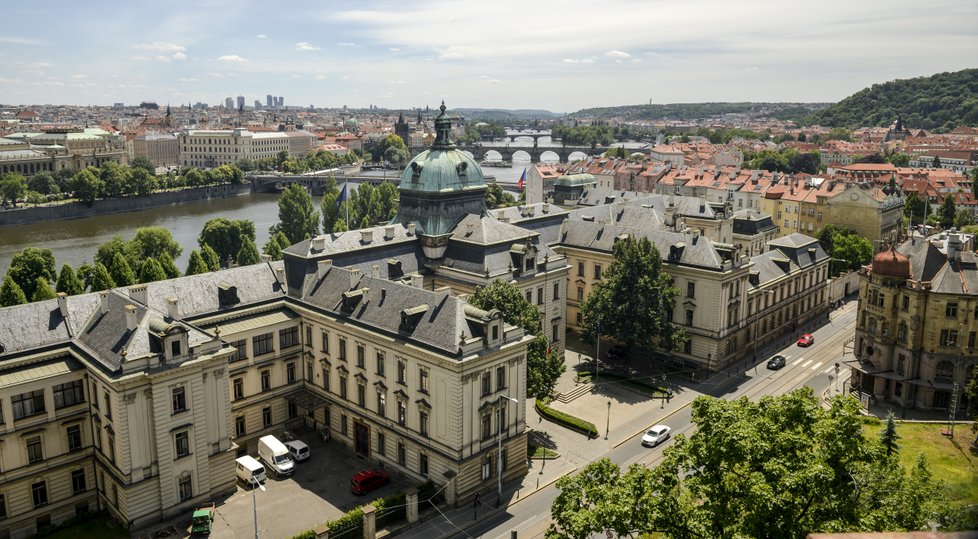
(78,210)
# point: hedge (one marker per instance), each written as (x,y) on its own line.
(574,423)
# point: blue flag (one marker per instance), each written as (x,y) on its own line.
(343,195)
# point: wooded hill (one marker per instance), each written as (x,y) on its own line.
(700,111)
(940,103)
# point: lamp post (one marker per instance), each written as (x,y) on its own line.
(499,455)
(254,501)
(607,425)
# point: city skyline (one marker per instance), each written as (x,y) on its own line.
(506,55)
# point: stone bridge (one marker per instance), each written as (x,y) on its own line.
(479,151)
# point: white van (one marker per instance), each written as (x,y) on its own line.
(249,470)
(274,453)
(298,449)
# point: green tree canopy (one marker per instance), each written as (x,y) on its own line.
(272,249)
(44,183)
(11,293)
(106,252)
(330,205)
(142,163)
(963,217)
(248,254)
(12,186)
(153,242)
(913,208)
(151,271)
(851,252)
(101,280)
(121,272)
(633,301)
(778,467)
(899,159)
(210,257)
(297,216)
(115,178)
(29,265)
(225,237)
(42,290)
(86,185)
(169,266)
(196,265)
(946,212)
(142,182)
(68,281)
(496,197)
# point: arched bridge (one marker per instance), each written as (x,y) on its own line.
(507,151)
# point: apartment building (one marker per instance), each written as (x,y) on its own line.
(212,148)
(162,149)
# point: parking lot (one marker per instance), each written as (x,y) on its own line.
(318,491)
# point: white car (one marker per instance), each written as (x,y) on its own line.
(656,435)
(298,450)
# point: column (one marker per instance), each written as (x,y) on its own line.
(369,522)
(411,499)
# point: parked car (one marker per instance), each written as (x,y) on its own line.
(200,523)
(367,481)
(656,435)
(776,362)
(298,450)
(806,340)
(616,352)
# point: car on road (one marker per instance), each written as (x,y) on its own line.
(368,480)
(656,435)
(806,340)
(776,362)
(616,352)
(298,450)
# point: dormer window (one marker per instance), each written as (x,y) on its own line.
(175,349)
(531,263)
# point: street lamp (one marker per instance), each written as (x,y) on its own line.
(254,501)
(607,426)
(499,455)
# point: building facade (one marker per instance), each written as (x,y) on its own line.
(213,148)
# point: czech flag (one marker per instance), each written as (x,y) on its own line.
(343,195)
(522,180)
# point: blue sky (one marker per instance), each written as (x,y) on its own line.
(561,56)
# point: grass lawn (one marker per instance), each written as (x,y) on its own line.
(99,527)
(951,461)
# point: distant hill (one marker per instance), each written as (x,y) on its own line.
(700,111)
(940,102)
(505,115)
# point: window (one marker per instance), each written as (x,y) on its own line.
(343,386)
(971,339)
(182,442)
(39,493)
(690,289)
(94,395)
(266,417)
(292,409)
(110,444)
(326,378)
(186,488)
(382,404)
(28,404)
(73,434)
(597,271)
(325,342)
(579,318)
(423,422)
(401,454)
(401,412)
(487,468)
(945,369)
(423,383)
(262,344)
(381,364)
(580,293)
(529,297)
(381,444)
(3,507)
(901,360)
(500,378)
(68,394)
(486,384)
(423,464)
(239,426)
(290,372)
(78,482)
(308,342)
(34,452)
(554,331)
(906,303)
(401,371)
(486,425)
(540,295)
(240,350)
(949,337)
(902,332)
(362,395)
(288,337)
(689,317)
(343,427)
(178,398)
(580,269)
(688,347)
(951,310)
(266,380)
(500,419)
(556,291)
(342,349)
(309,371)
(361,356)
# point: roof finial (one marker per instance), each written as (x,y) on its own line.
(443,129)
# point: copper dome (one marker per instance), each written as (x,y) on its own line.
(891,264)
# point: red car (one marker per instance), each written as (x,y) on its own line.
(806,340)
(368,480)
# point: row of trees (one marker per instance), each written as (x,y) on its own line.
(585,135)
(916,211)
(848,250)
(482,131)
(788,160)
(318,160)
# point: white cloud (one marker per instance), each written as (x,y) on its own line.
(587,61)
(179,56)
(451,56)
(346,44)
(231,58)
(161,58)
(186,80)
(303,46)
(394,49)
(161,46)
(261,36)
(42,65)
(15,40)
(571,61)
(750,69)
(617,54)
(79,76)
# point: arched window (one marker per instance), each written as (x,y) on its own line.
(945,369)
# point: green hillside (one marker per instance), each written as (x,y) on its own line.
(699,111)
(940,102)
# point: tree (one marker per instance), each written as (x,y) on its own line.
(68,281)
(142,182)
(11,293)
(225,236)
(633,301)
(86,185)
(101,280)
(151,271)
(946,212)
(855,251)
(297,217)
(153,242)
(971,392)
(839,133)
(121,272)
(543,365)
(330,206)
(169,266)
(936,163)
(248,254)
(29,265)
(496,197)
(210,257)
(12,187)
(115,178)
(196,265)
(899,159)
(889,436)
(272,249)
(913,208)
(43,183)
(42,290)
(107,251)
(142,163)
(781,466)
(963,217)
(86,273)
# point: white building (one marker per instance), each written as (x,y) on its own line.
(212,148)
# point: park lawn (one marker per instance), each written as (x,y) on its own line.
(99,527)
(951,461)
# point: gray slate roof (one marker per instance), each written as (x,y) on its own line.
(698,251)
(929,264)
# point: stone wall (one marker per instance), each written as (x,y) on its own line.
(76,210)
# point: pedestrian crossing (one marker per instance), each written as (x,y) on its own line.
(812,365)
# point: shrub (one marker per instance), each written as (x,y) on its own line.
(574,423)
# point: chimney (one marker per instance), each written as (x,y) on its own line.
(171,307)
(546,207)
(417,280)
(410,229)
(389,232)
(469,228)
(322,268)
(318,243)
(367,235)
(954,247)
(104,303)
(265,258)
(130,317)
(355,275)
(63,304)
(138,293)
(375,271)
(280,274)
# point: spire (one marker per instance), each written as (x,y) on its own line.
(400,118)
(443,128)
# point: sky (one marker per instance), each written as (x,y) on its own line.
(560,56)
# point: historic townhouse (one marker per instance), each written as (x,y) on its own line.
(915,342)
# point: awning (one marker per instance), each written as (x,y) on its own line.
(239,325)
(306,399)
(943,386)
(36,372)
